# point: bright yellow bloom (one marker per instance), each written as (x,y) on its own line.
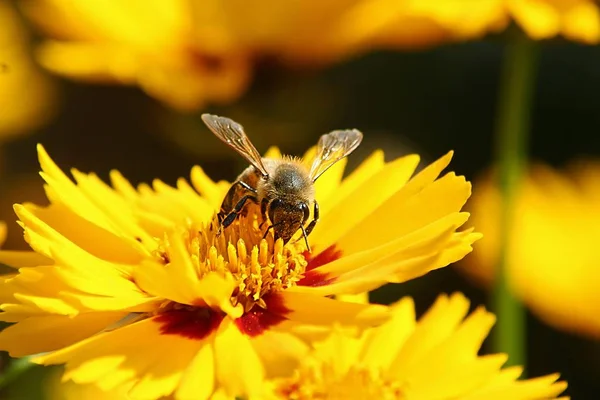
(552,259)
(26,94)
(121,278)
(433,358)
(574,19)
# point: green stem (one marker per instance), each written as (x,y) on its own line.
(512,129)
(14,370)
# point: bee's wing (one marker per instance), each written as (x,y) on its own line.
(332,147)
(234,136)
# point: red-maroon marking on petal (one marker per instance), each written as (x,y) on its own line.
(328,255)
(256,321)
(192,323)
(315,278)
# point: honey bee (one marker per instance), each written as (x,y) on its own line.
(284,188)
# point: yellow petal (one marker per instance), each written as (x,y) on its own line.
(198,380)
(59,225)
(370,195)
(408,212)
(440,321)
(40,334)
(61,189)
(279,352)
(213,192)
(378,350)
(329,182)
(408,257)
(273,152)
(454,380)
(349,186)
(23,259)
(153,362)
(317,310)
(536,388)
(237,364)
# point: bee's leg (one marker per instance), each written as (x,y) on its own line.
(314,221)
(226,205)
(263,212)
(305,234)
(268,229)
(228,220)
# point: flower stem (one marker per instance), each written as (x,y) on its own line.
(512,129)
(14,370)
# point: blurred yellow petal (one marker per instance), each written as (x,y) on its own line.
(577,19)
(2,233)
(116,45)
(28,98)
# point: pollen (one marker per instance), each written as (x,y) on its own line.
(325,381)
(259,264)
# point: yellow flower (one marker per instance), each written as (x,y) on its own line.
(26,94)
(541,19)
(433,358)
(135,289)
(552,261)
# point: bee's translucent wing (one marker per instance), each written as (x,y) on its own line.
(332,147)
(234,136)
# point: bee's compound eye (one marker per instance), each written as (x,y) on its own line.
(276,203)
(305,210)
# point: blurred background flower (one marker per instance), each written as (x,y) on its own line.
(553,261)
(542,19)
(158,45)
(27,95)
(189,54)
(192,53)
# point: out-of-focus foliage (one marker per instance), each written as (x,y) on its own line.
(27,96)
(553,251)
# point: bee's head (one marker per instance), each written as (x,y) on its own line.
(287,216)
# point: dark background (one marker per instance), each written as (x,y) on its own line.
(427,102)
